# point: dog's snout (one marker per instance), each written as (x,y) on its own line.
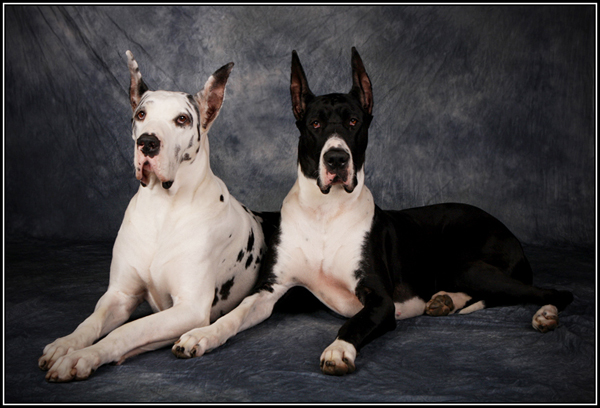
(149,143)
(336,158)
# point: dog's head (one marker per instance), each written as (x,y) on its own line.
(168,127)
(333,128)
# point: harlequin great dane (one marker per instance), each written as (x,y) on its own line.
(185,245)
(370,265)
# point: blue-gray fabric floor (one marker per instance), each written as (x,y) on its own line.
(493,355)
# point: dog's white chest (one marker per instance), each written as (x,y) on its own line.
(321,247)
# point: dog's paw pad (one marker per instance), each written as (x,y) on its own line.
(439,305)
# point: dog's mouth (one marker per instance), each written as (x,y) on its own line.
(338,178)
(146,167)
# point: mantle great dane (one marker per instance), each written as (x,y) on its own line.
(185,245)
(370,265)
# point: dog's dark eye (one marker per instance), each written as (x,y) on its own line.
(140,115)
(182,120)
(353,122)
(316,124)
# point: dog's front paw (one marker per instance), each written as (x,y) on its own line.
(194,343)
(55,350)
(78,365)
(338,358)
(545,319)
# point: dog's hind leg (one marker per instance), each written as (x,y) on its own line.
(496,288)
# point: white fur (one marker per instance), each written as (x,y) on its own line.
(321,241)
(411,308)
(335,142)
(338,358)
(173,249)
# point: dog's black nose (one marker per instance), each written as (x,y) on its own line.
(336,158)
(149,143)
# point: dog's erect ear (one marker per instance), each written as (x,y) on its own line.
(299,88)
(361,84)
(137,87)
(211,97)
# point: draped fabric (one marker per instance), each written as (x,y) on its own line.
(486,105)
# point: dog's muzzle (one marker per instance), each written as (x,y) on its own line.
(336,163)
(148,147)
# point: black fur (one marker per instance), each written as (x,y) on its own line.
(414,252)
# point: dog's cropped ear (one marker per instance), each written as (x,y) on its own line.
(210,99)
(299,88)
(137,87)
(361,84)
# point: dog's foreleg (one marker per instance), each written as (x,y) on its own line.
(113,308)
(129,339)
(253,310)
(374,319)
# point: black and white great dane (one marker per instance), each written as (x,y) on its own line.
(370,265)
(185,245)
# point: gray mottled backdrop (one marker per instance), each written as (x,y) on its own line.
(487,105)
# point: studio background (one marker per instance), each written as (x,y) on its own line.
(491,106)
(487,105)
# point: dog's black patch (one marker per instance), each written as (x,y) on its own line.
(250,241)
(248,261)
(240,256)
(216,299)
(267,277)
(222,199)
(226,288)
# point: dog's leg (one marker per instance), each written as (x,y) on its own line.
(375,318)
(253,310)
(496,288)
(149,332)
(113,308)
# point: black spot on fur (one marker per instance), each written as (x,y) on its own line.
(257,260)
(216,299)
(221,198)
(240,256)
(226,288)
(186,156)
(250,241)
(248,261)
